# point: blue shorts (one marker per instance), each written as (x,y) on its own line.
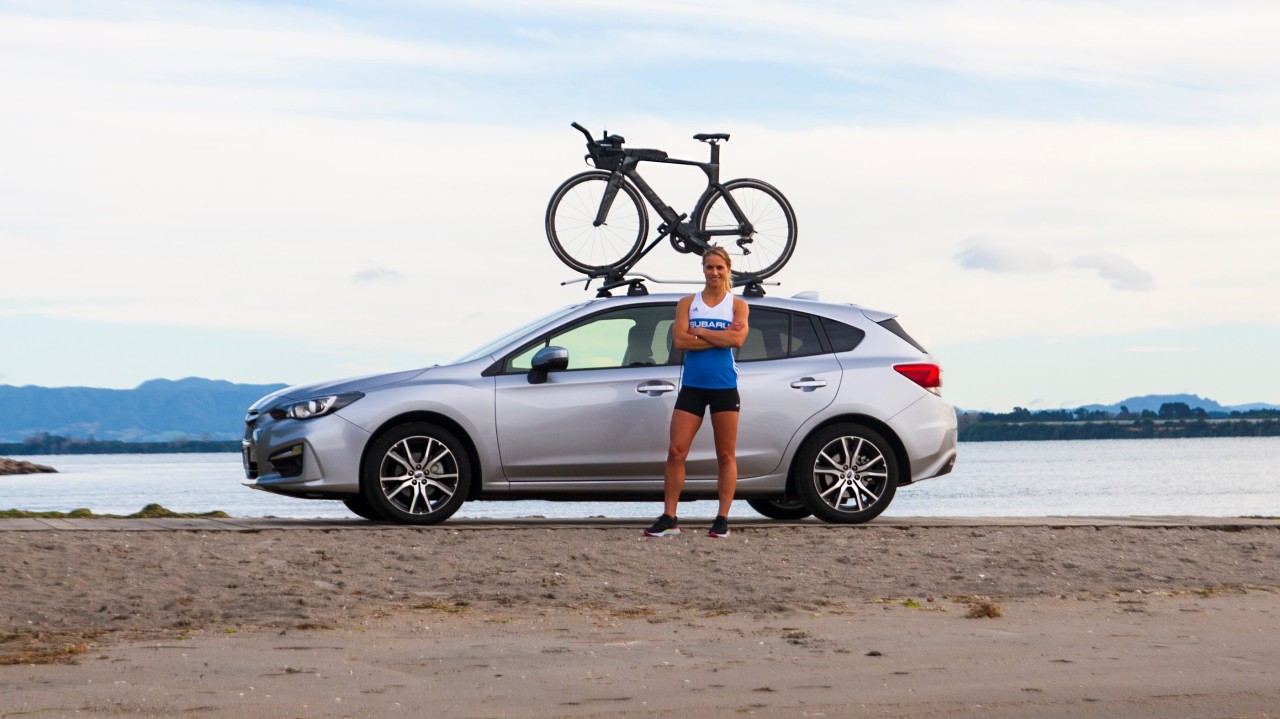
(695,400)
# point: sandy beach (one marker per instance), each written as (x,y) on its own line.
(806,620)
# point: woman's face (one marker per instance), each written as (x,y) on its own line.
(714,269)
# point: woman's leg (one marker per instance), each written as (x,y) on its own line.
(683,428)
(725,427)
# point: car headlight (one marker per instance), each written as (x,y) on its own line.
(313,407)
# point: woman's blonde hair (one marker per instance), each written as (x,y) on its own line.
(720,252)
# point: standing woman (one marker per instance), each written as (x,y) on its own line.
(709,326)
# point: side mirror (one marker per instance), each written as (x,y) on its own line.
(548,359)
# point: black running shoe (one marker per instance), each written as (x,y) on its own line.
(719,528)
(666,526)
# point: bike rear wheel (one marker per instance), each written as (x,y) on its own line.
(571,226)
(773,224)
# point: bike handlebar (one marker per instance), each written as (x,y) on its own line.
(585,132)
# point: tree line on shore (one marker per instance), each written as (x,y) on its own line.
(1172,420)
(45,443)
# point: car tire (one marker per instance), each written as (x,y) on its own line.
(842,491)
(416,473)
(784,509)
(360,507)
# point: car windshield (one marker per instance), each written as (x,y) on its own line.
(492,346)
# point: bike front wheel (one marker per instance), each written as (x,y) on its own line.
(578,241)
(772,238)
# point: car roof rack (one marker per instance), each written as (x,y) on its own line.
(634,282)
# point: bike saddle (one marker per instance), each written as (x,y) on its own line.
(711,136)
(644,154)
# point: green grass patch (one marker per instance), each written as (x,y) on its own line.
(151,511)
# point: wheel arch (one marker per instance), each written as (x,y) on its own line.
(884,430)
(444,422)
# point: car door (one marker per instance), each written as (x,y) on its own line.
(605,417)
(784,378)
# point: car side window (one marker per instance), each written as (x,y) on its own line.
(626,337)
(841,336)
(804,337)
(774,334)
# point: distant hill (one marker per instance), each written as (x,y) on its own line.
(1152,402)
(158,410)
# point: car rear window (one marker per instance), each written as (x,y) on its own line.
(893,326)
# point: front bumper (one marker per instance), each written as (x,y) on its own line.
(316,458)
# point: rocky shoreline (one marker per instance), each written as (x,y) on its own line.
(13,466)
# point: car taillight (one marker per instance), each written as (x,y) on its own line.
(928,376)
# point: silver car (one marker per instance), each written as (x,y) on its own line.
(840,407)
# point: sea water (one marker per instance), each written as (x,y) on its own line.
(1217,477)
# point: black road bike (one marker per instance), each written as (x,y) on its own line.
(599,231)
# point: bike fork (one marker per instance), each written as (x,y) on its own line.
(606,202)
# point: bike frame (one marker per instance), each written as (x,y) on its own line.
(673,222)
(608,154)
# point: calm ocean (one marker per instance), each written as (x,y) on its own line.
(1218,477)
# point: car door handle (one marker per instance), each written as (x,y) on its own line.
(655,389)
(808,384)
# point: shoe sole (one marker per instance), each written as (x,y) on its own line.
(663,533)
(718,536)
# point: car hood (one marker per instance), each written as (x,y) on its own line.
(349,384)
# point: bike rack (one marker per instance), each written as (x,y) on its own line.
(634,282)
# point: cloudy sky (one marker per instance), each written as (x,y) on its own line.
(1065,202)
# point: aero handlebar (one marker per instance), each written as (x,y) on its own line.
(585,132)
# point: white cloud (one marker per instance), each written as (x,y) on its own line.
(230,43)
(1001,258)
(984,254)
(1117,270)
(376,275)
(1229,45)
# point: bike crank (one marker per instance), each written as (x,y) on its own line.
(684,241)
